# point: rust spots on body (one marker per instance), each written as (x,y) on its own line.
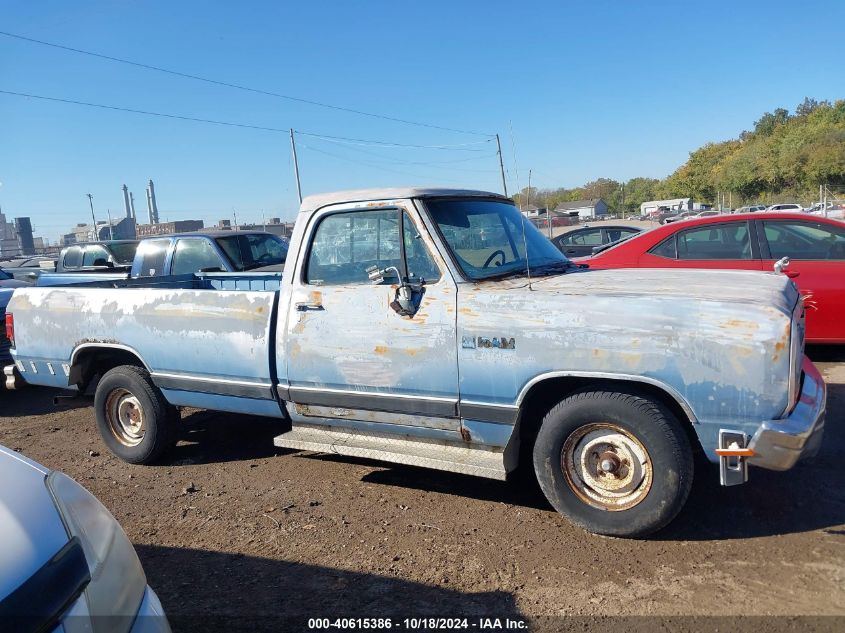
(465,434)
(380,349)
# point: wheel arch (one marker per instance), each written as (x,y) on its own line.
(90,360)
(543,392)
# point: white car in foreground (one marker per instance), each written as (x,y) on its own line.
(65,562)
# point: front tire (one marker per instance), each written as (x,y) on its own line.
(614,463)
(135,421)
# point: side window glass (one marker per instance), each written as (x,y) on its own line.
(194,255)
(420,263)
(715,241)
(666,248)
(153,254)
(804,240)
(73,258)
(588,238)
(345,245)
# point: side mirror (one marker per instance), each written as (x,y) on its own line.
(378,275)
(405,303)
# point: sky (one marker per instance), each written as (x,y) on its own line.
(576,91)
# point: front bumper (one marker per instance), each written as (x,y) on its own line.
(150,618)
(779,444)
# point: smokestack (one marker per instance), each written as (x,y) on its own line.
(126,201)
(151,203)
(149,206)
(132,206)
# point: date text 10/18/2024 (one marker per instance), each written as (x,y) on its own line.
(418,624)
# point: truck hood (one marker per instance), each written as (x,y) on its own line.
(31,530)
(724,286)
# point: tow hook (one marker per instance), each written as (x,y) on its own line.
(733,455)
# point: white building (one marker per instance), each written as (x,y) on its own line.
(592,208)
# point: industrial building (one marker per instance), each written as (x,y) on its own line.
(16,237)
(167,228)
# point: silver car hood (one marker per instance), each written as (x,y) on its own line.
(31,530)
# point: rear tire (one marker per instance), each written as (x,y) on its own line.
(614,463)
(135,421)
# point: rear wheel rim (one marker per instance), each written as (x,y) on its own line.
(606,466)
(125,417)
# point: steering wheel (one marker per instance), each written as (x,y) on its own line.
(493,256)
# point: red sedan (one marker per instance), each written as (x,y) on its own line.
(754,241)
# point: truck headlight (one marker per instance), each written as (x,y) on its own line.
(117,579)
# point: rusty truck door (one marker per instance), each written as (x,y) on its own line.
(349,354)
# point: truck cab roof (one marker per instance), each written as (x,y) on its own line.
(318,201)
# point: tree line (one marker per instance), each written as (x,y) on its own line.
(784,158)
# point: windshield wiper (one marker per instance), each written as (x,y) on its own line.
(552,268)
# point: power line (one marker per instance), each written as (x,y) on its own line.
(166,115)
(366,163)
(240,87)
(146,112)
(357,141)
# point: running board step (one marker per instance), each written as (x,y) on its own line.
(436,454)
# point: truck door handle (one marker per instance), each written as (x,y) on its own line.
(305,307)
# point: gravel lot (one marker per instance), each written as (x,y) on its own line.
(231,526)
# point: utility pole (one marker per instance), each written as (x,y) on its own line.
(93,219)
(501,165)
(622,187)
(263,221)
(111,233)
(235,216)
(824,201)
(295,166)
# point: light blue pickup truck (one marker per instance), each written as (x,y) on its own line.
(439,328)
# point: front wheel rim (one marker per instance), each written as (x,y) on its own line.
(125,417)
(606,466)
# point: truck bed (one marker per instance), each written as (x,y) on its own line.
(169,323)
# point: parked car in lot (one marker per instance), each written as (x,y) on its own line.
(399,333)
(65,562)
(753,208)
(814,245)
(790,207)
(95,257)
(179,254)
(28,268)
(580,242)
(8,281)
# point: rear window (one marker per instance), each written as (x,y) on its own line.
(124,254)
(666,248)
(73,257)
(254,250)
(152,254)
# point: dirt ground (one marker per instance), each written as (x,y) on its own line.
(230,526)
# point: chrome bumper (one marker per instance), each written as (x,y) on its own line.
(779,444)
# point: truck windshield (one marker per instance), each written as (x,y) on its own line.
(254,250)
(489,239)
